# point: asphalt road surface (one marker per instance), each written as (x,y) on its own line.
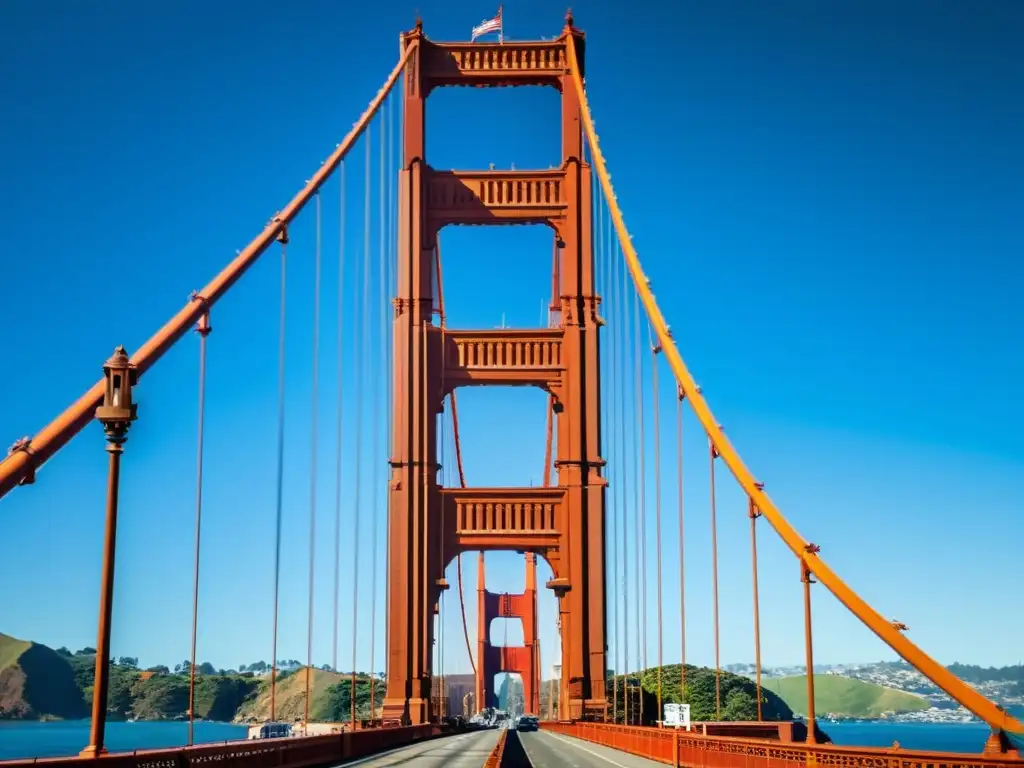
(467,750)
(549,750)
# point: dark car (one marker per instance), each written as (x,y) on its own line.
(527,723)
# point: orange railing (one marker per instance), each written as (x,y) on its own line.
(307,752)
(675,747)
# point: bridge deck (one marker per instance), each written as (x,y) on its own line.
(467,750)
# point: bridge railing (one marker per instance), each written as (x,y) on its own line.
(677,748)
(299,752)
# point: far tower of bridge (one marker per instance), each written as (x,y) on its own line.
(430,525)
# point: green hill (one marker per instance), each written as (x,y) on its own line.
(35,682)
(330,698)
(838,695)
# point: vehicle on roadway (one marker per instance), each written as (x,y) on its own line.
(528,723)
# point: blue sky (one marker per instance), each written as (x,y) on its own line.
(827,198)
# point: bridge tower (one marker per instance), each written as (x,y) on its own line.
(492,659)
(430,525)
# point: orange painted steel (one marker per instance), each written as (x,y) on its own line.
(958,690)
(302,752)
(21,464)
(429,524)
(498,753)
(677,747)
(523,660)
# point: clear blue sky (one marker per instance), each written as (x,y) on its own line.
(828,199)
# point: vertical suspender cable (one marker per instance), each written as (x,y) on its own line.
(377,423)
(655,349)
(203,329)
(313,460)
(754,514)
(713,454)
(682,545)
(608,446)
(338,437)
(390,264)
(283,239)
(360,345)
(621,311)
(642,491)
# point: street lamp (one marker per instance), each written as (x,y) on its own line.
(116,414)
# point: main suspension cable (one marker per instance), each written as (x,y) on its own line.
(283,239)
(888,631)
(20,464)
(314,419)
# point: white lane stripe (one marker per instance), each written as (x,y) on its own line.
(379,755)
(573,743)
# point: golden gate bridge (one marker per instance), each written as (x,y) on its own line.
(589,361)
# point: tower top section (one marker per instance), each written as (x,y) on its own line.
(509,63)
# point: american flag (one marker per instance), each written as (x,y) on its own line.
(484,27)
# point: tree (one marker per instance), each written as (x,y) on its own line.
(128,662)
(63,651)
(87,651)
(159,669)
(206,668)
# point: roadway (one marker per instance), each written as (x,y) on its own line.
(466,750)
(549,750)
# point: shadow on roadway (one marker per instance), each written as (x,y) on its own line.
(514,755)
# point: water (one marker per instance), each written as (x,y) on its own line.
(31,739)
(68,737)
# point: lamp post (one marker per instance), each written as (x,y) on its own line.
(116,414)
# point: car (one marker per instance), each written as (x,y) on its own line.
(527,723)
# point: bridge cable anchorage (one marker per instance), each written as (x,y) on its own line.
(339,386)
(203,328)
(961,692)
(712,455)
(655,349)
(19,464)
(314,441)
(753,514)
(282,238)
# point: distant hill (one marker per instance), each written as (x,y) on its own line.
(330,698)
(37,683)
(839,695)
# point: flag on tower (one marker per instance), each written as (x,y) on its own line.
(485,27)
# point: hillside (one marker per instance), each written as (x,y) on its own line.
(35,682)
(739,695)
(838,695)
(330,699)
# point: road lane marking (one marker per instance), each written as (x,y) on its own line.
(583,749)
(380,755)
